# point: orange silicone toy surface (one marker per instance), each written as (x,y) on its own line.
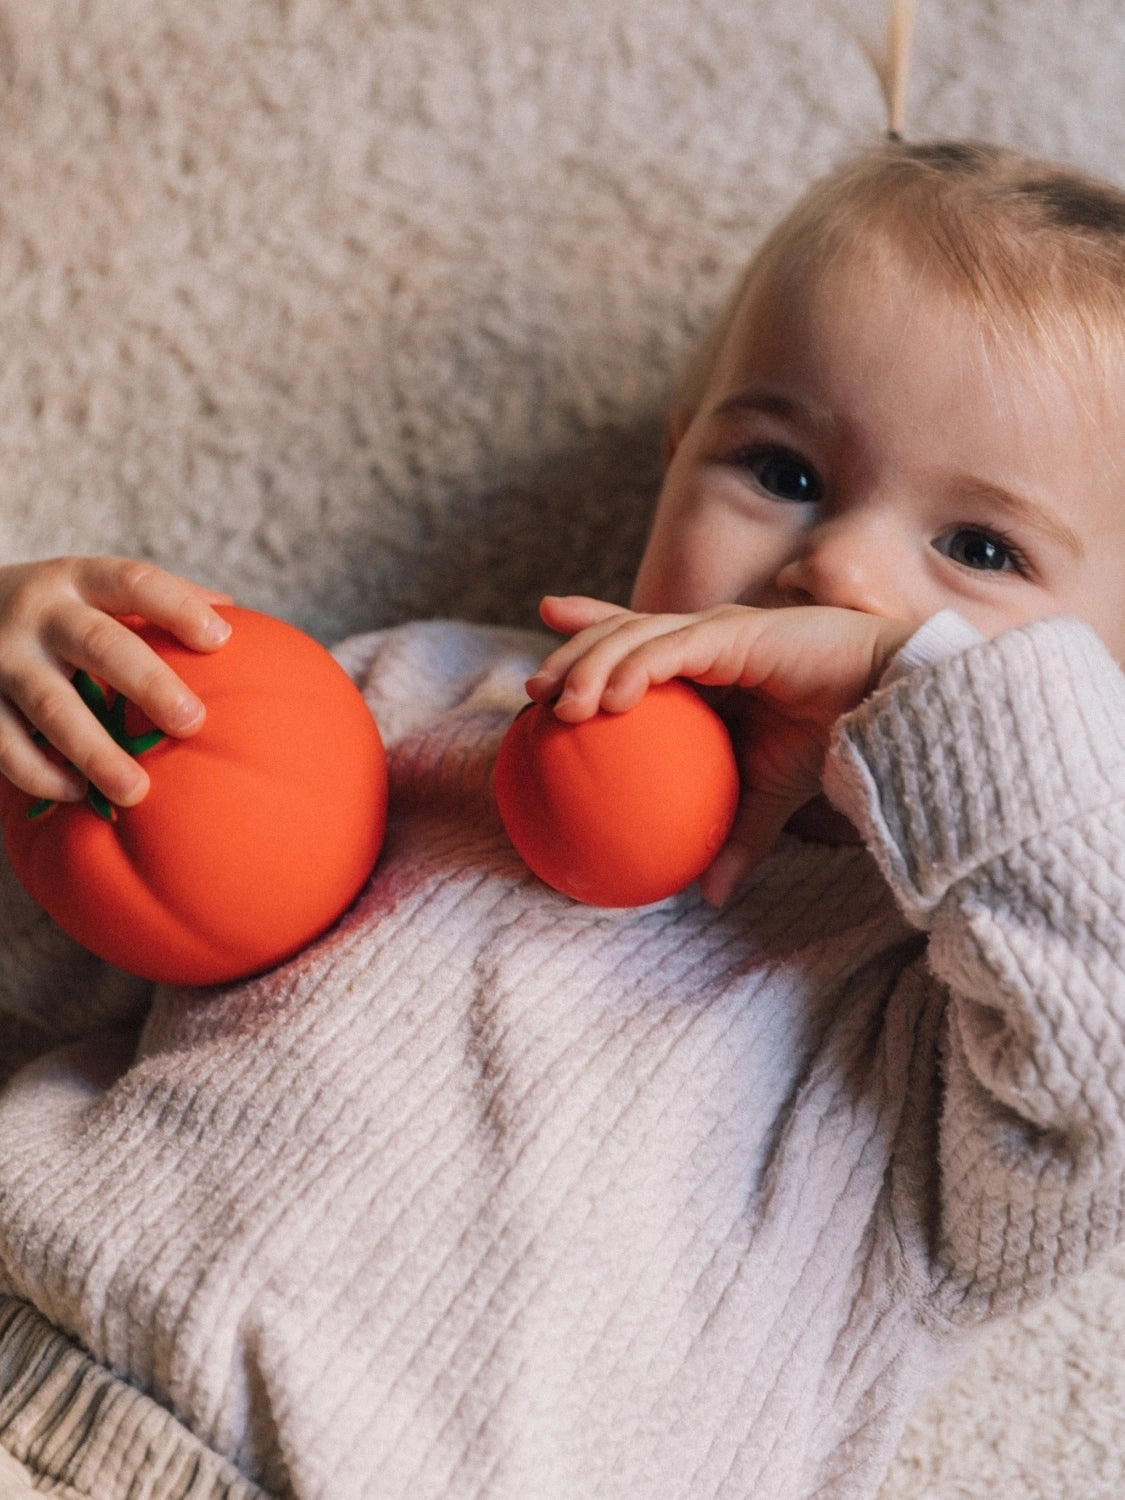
(623,809)
(255,835)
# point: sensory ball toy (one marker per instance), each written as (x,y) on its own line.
(622,809)
(256,833)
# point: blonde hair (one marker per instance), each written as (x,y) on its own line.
(1035,248)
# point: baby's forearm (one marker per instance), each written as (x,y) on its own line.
(990,786)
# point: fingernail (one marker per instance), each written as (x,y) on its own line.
(216,631)
(185,714)
(126,789)
(718,881)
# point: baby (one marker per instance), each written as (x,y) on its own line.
(489,1194)
(914,405)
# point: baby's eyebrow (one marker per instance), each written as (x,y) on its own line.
(776,405)
(1024,511)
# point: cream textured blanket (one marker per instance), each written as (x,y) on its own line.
(367,310)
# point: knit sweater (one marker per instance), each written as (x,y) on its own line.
(489,1195)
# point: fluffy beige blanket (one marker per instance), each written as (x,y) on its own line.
(367,310)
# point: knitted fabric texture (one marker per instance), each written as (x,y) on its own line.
(489,1194)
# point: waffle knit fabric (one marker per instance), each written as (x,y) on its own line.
(489,1194)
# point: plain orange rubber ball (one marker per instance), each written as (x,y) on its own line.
(623,809)
(255,835)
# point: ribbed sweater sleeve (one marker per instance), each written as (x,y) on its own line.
(991,788)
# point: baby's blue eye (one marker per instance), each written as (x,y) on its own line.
(978,549)
(784,475)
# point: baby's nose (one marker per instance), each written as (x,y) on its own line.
(843,567)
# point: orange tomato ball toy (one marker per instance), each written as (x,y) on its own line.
(622,809)
(256,833)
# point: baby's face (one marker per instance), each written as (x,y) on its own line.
(867,446)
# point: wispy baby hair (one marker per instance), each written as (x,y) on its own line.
(1036,249)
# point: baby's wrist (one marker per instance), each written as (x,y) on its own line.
(943,635)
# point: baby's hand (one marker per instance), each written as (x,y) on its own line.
(59,616)
(799,669)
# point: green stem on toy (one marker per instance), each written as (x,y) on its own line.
(111,716)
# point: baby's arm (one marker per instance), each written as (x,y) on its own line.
(991,788)
(801,667)
(62,615)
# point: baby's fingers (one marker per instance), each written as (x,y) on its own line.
(591,621)
(51,706)
(38,681)
(607,665)
(570,613)
(96,643)
(122,586)
(615,672)
(761,817)
(781,763)
(28,767)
